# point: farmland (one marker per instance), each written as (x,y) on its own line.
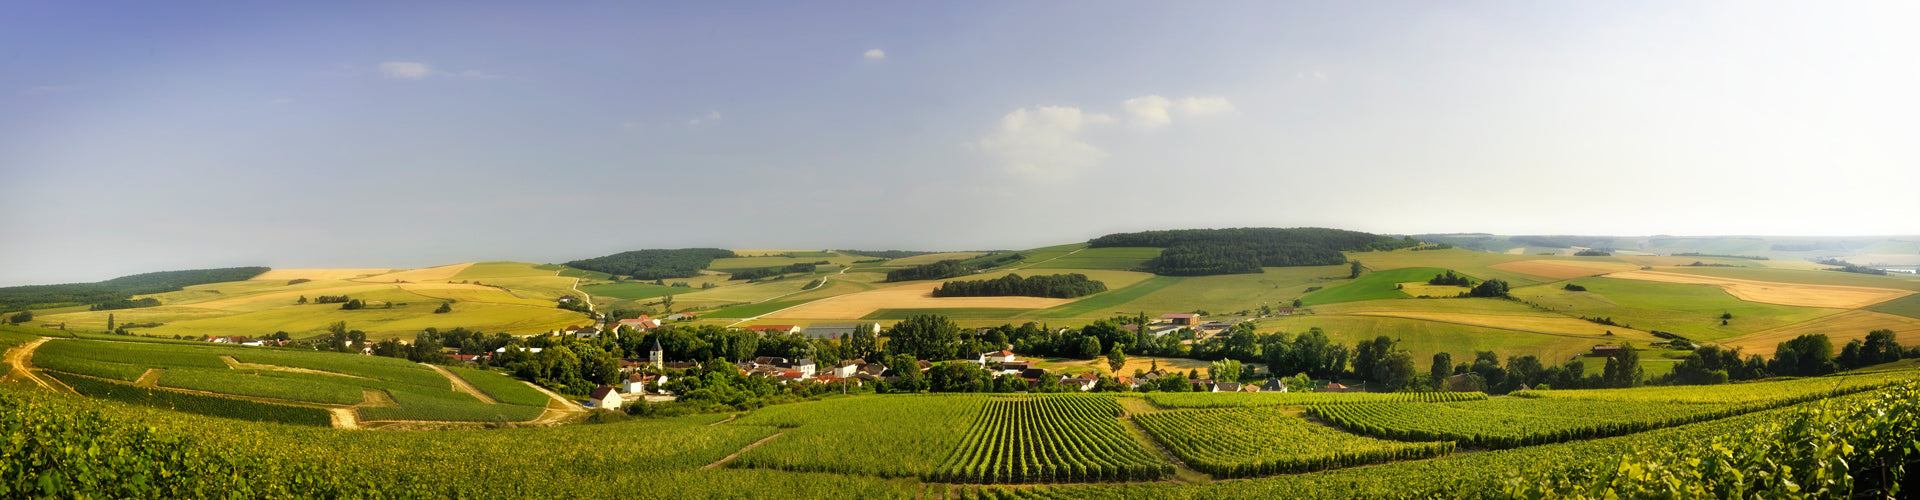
(1252,442)
(1371,286)
(1050,439)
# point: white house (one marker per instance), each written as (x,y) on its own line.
(1004,356)
(636,384)
(606,398)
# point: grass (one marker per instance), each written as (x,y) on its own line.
(635,290)
(196,403)
(1471,263)
(1223,294)
(485,270)
(1116,258)
(1690,310)
(1371,286)
(751,310)
(1424,338)
(1908,306)
(1112,298)
(502,387)
(398,371)
(1650,366)
(1043,254)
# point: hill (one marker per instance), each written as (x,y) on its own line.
(116,292)
(1200,252)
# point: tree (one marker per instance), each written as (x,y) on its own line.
(1441,369)
(1623,370)
(1089,348)
(1395,370)
(666,303)
(303,300)
(445,307)
(1807,355)
(109,322)
(1116,359)
(1353,269)
(353,304)
(906,369)
(1880,347)
(1296,302)
(1490,288)
(1226,370)
(864,343)
(926,336)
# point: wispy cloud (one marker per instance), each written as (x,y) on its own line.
(403,70)
(712,116)
(875,55)
(408,70)
(1154,111)
(1044,143)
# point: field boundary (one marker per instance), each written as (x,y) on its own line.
(461,384)
(736,454)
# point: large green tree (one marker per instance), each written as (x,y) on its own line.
(924,336)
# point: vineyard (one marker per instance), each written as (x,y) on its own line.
(1050,439)
(1248,442)
(1748,393)
(502,387)
(891,436)
(195,403)
(1234,400)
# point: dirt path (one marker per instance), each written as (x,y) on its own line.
(237,365)
(756,444)
(21,358)
(344,418)
(729,419)
(1181,471)
(560,409)
(460,384)
(151,378)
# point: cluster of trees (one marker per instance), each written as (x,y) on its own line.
(716,385)
(124,304)
(951,267)
(885,254)
(1849,267)
(654,264)
(1592,253)
(1059,286)
(1803,356)
(1574,288)
(1199,252)
(1563,241)
(117,289)
(1489,288)
(1450,279)
(324,299)
(353,305)
(768,272)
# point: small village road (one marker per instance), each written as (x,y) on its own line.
(21,357)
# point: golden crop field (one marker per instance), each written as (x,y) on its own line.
(1791,294)
(1839,328)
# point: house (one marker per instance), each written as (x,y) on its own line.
(1082,384)
(1003,357)
(465,358)
(681,317)
(837,330)
(1182,319)
(1273,385)
(775,329)
(804,366)
(769,360)
(680,365)
(528,350)
(1163,330)
(586,333)
(1283,311)
(640,324)
(1249,388)
(846,369)
(1337,387)
(604,397)
(636,383)
(1608,350)
(1226,387)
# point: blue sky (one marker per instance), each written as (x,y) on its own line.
(140,136)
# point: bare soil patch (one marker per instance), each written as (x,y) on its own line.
(1788,294)
(916,296)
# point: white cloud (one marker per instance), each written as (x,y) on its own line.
(875,55)
(402,70)
(1148,111)
(1043,143)
(1154,111)
(712,116)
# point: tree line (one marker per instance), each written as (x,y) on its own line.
(654,263)
(113,291)
(952,267)
(768,272)
(1199,252)
(1058,286)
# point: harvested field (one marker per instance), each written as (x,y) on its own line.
(287,297)
(1840,328)
(1422,289)
(1830,296)
(441,273)
(1564,269)
(1556,325)
(916,296)
(321,274)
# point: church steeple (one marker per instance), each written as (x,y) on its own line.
(659,356)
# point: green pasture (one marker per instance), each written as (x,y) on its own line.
(735,264)
(1118,258)
(380,323)
(502,387)
(1043,254)
(1650,364)
(447,406)
(1096,304)
(751,310)
(1371,286)
(1908,306)
(1424,338)
(1469,262)
(1221,294)
(634,290)
(1690,310)
(258,383)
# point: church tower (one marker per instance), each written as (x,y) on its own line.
(659,356)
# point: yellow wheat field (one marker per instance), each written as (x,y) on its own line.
(1563,269)
(1840,328)
(320,274)
(917,296)
(441,273)
(1789,294)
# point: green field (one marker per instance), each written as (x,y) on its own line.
(634,290)
(1092,306)
(1802,276)
(1691,310)
(1252,442)
(821,440)
(751,310)
(1116,258)
(1371,286)
(1908,306)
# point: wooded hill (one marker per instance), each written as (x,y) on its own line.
(117,291)
(654,264)
(1200,252)
(1057,286)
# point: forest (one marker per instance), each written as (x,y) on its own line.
(951,268)
(769,272)
(655,263)
(1201,252)
(115,293)
(1057,286)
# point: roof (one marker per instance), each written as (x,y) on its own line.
(602,392)
(1179,316)
(636,377)
(656,343)
(770,327)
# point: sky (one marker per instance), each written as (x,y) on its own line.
(145,136)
